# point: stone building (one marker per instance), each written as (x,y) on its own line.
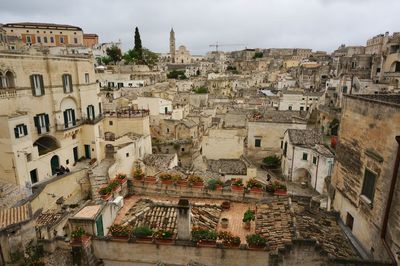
(49,114)
(90,40)
(366,172)
(46,34)
(299,101)
(305,159)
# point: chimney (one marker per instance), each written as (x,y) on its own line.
(184,223)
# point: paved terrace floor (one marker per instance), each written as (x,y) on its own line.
(234,214)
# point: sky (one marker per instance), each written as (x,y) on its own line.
(317,24)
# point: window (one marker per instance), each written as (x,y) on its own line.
(349,221)
(301,108)
(45,39)
(67,83)
(61,39)
(69,118)
(20,131)
(90,112)
(87,78)
(281,144)
(368,188)
(285,149)
(51,39)
(28,39)
(314,160)
(182,149)
(110,123)
(305,156)
(37,85)
(34,177)
(29,157)
(290,107)
(257,143)
(42,123)
(75,40)
(127,154)
(39,39)
(167,130)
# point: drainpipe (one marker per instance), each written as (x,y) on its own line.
(389,203)
(291,171)
(316,174)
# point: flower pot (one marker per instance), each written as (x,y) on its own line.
(237,188)
(144,239)
(218,188)
(79,241)
(150,179)
(120,238)
(123,181)
(167,182)
(117,189)
(164,241)
(182,183)
(256,190)
(198,185)
(226,205)
(106,197)
(247,225)
(207,243)
(224,222)
(280,192)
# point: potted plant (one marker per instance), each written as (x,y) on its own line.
(115,185)
(248,216)
(271,162)
(226,205)
(204,237)
(122,178)
(181,182)
(120,232)
(254,186)
(105,192)
(255,241)
(215,184)
(228,239)
(279,189)
(79,236)
(166,178)
(138,175)
(143,234)
(237,184)
(196,181)
(163,236)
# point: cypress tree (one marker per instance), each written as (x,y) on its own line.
(138,44)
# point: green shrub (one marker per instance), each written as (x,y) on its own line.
(256,240)
(248,216)
(78,232)
(200,90)
(203,234)
(272,161)
(142,231)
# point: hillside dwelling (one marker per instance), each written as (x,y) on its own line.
(305,159)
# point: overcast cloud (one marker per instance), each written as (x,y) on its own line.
(316,24)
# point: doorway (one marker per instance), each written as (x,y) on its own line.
(55,164)
(87,151)
(99,226)
(34,177)
(76,155)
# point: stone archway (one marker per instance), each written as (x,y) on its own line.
(301,175)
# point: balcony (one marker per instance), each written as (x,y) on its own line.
(93,121)
(8,93)
(63,127)
(127,113)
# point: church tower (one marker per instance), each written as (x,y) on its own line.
(172,45)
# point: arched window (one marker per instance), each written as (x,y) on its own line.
(10,83)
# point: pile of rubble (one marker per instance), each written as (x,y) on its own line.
(206,216)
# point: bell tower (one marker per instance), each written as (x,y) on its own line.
(172,45)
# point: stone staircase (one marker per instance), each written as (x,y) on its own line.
(98,177)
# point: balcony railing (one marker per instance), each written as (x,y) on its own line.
(63,127)
(92,121)
(128,113)
(8,93)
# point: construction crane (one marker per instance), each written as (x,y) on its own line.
(216,45)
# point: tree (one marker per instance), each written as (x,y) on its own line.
(106,60)
(114,53)
(138,44)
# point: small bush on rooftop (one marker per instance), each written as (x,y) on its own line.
(142,231)
(256,240)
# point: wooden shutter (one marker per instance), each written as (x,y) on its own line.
(100,108)
(65,118)
(41,84)
(25,128)
(88,112)
(73,117)
(63,82)
(47,121)
(16,132)
(32,85)
(70,83)
(37,124)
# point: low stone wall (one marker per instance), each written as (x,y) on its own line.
(176,191)
(126,253)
